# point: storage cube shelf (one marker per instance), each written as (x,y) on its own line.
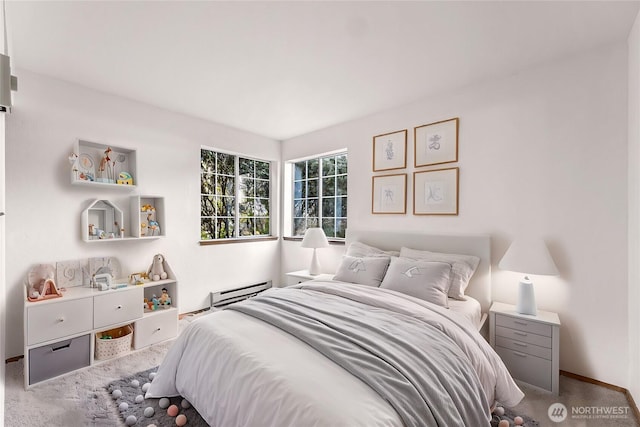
(89,166)
(147,217)
(101,221)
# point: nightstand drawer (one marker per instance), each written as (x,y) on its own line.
(524,325)
(530,369)
(523,347)
(526,337)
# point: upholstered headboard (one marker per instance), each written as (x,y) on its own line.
(478,245)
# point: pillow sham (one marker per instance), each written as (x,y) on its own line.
(462,268)
(426,280)
(359,249)
(362,270)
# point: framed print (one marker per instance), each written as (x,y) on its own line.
(389,194)
(435,192)
(436,143)
(390,151)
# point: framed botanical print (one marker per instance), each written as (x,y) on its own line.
(389,194)
(390,151)
(436,143)
(435,192)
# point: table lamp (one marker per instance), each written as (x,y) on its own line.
(528,256)
(314,238)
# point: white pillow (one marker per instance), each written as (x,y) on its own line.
(462,268)
(362,270)
(359,249)
(426,280)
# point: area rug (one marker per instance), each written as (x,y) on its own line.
(128,406)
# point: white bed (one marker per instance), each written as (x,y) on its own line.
(238,370)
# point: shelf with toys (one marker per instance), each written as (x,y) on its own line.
(147,217)
(102,165)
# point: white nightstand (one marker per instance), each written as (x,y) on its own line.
(528,345)
(295,277)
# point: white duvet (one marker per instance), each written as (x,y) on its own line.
(240,371)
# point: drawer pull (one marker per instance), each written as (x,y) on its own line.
(158,330)
(60,319)
(520,322)
(119,307)
(522,334)
(521,344)
(62,347)
(517,353)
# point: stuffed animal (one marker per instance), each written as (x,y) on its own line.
(156,269)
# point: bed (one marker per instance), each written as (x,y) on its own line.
(336,353)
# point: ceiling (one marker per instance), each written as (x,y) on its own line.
(282,69)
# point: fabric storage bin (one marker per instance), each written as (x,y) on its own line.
(59,358)
(120,342)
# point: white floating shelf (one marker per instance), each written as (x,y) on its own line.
(86,170)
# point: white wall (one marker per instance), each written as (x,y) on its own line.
(634,209)
(43,219)
(544,151)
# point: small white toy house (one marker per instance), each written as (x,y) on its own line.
(102,220)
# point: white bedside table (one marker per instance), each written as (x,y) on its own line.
(528,345)
(295,277)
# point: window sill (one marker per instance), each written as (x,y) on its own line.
(237,240)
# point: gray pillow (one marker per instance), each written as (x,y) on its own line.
(362,270)
(462,268)
(359,249)
(426,280)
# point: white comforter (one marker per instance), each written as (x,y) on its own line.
(240,371)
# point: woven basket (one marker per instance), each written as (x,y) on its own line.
(120,342)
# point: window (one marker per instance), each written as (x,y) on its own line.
(320,195)
(234,196)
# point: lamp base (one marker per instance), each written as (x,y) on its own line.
(314,268)
(526,298)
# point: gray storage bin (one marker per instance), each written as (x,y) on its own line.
(56,359)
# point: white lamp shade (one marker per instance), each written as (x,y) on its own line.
(529,256)
(314,238)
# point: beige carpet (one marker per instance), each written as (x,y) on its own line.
(69,401)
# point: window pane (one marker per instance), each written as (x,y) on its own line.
(246,227)
(246,208)
(312,222)
(246,167)
(312,208)
(207,161)
(225,228)
(328,186)
(226,164)
(341,206)
(312,188)
(299,189)
(262,170)
(207,184)
(225,185)
(247,187)
(329,227)
(207,229)
(262,188)
(300,170)
(341,162)
(262,207)
(298,208)
(341,227)
(328,209)
(299,226)
(207,206)
(262,226)
(341,185)
(227,206)
(328,166)
(312,168)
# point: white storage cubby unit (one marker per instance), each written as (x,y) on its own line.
(102,221)
(89,166)
(60,333)
(147,217)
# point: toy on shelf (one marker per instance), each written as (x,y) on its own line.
(157,269)
(124,178)
(105,169)
(165,299)
(41,284)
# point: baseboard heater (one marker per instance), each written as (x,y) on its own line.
(226,297)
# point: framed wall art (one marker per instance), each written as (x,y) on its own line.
(390,151)
(435,192)
(436,143)
(389,194)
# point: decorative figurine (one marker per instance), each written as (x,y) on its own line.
(165,299)
(156,270)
